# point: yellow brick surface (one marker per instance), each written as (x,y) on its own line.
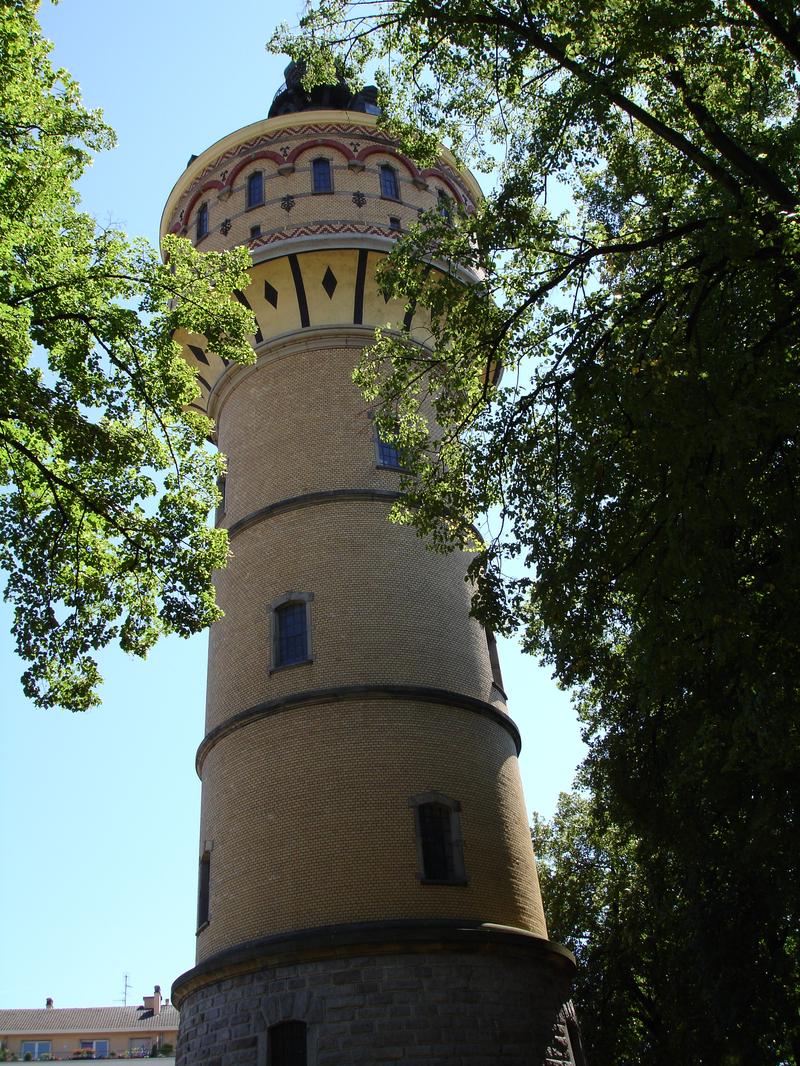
(308,815)
(305,812)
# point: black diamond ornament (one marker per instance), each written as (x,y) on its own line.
(329,283)
(270,294)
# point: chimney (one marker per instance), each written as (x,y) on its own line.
(153,1002)
(49,1003)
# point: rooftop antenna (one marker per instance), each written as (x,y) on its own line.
(126,986)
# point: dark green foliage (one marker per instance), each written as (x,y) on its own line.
(106,481)
(642,450)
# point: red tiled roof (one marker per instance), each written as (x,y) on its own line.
(87,1020)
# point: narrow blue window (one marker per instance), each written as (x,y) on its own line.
(388,455)
(389,187)
(291,634)
(255,189)
(202,221)
(321,175)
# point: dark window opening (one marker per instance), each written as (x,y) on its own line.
(202,221)
(291,634)
(203,890)
(286,1044)
(221,505)
(255,231)
(394,223)
(255,189)
(439,847)
(436,839)
(390,189)
(322,176)
(494,659)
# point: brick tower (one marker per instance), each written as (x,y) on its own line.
(367,889)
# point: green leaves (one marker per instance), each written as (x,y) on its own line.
(107,480)
(635,270)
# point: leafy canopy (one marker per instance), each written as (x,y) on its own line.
(642,447)
(106,481)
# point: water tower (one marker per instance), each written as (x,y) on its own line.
(367,889)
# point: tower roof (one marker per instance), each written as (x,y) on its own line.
(293,96)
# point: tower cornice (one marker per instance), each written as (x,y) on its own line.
(259,134)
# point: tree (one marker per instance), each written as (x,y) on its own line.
(599,906)
(106,480)
(642,448)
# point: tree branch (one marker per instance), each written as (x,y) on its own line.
(788,39)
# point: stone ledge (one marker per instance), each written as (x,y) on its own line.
(349,693)
(392,937)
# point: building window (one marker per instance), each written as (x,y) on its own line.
(202,221)
(394,223)
(387,455)
(322,176)
(440,851)
(494,659)
(255,189)
(203,890)
(291,629)
(95,1049)
(37,1049)
(220,513)
(286,1044)
(139,1047)
(390,189)
(444,205)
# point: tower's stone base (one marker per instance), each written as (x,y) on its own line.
(484,1000)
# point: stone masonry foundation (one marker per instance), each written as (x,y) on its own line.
(440,1008)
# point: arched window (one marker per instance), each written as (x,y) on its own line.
(444,205)
(390,190)
(255,189)
(291,629)
(322,176)
(286,1044)
(202,221)
(440,851)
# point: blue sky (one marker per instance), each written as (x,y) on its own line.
(99,812)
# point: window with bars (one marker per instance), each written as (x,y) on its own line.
(390,189)
(439,847)
(322,175)
(291,629)
(255,189)
(287,1044)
